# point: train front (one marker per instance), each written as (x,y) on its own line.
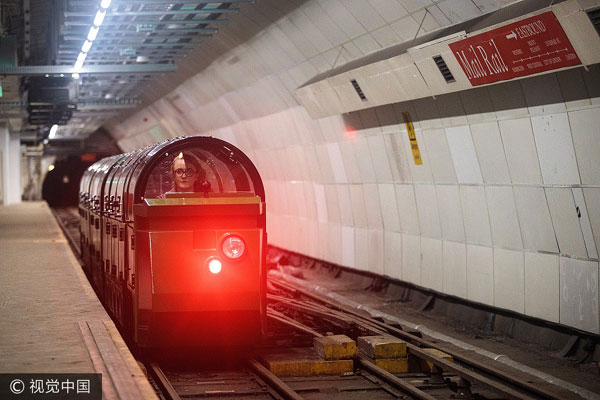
(199,247)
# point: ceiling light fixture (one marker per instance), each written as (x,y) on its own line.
(91,36)
(53,131)
(93,33)
(80,60)
(99,18)
(87,45)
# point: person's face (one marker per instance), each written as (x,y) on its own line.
(183,182)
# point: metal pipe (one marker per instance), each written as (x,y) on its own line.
(68,14)
(69,38)
(83,32)
(117,2)
(102,45)
(33,70)
(203,21)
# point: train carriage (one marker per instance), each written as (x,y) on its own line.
(178,268)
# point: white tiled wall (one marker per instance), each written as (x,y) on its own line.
(463,155)
(407,209)
(503,211)
(555,149)
(455,268)
(543,286)
(476,215)
(393,254)
(411,258)
(451,215)
(509,280)
(480,274)
(432,271)
(584,129)
(488,145)
(521,154)
(439,152)
(534,219)
(566,223)
(579,294)
(503,217)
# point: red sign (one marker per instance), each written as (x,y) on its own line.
(530,46)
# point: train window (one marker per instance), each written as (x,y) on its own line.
(206,171)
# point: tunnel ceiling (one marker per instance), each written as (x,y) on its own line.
(137,43)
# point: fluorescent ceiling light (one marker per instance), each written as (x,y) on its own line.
(53,131)
(93,33)
(75,75)
(87,45)
(81,57)
(99,17)
(80,60)
(105,3)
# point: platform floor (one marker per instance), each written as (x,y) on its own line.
(50,318)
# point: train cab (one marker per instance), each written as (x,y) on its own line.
(179,251)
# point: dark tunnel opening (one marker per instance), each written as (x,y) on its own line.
(61,185)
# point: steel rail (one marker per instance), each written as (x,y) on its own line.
(280,386)
(284,319)
(163,382)
(393,379)
(461,371)
(324,312)
(389,378)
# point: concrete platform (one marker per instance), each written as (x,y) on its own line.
(50,318)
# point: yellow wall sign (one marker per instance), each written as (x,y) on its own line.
(414,146)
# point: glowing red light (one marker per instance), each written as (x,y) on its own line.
(214,266)
(350,132)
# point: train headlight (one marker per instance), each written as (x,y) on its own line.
(233,247)
(214,266)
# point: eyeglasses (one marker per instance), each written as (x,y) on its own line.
(187,172)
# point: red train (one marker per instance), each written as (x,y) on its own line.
(173,238)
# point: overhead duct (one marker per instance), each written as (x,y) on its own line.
(51,100)
(454,59)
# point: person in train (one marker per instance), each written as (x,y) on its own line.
(186,171)
(188,176)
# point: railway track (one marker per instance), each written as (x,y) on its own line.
(257,382)
(467,375)
(252,380)
(297,315)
